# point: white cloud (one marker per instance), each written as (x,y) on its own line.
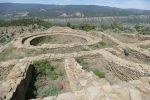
(139,4)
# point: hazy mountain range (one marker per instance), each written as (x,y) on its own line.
(17,10)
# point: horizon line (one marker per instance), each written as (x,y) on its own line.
(72,5)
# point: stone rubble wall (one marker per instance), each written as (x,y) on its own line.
(25,41)
(15,85)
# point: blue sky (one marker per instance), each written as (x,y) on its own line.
(139,4)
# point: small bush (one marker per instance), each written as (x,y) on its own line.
(85,49)
(100,44)
(105,27)
(113,52)
(85,67)
(145,30)
(53,75)
(68,24)
(43,68)
(50,91)
(138,27)
(126,51)
(86,27)
(129,29)
(99,73)
(82,63)
(144,46)
(116,25)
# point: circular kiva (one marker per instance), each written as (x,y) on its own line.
(56,40)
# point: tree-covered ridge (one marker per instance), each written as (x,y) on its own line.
(25,22)
(12,10)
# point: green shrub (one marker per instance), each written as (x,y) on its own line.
(100,44)
(82,63)
(3,40)
(68,24)
(85,49)
(113,52)
(99,73)
(144,46)
(50,91)
(138,27)
(145,30)
(53,75)
(116,25)
(126,51)
(104,27)
(87,27)
(85,67)
(43,68)
(129,29)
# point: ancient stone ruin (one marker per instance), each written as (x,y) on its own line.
(87,65)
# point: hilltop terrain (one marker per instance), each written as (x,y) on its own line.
(62,63)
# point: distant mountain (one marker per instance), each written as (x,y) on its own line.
(17,10)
